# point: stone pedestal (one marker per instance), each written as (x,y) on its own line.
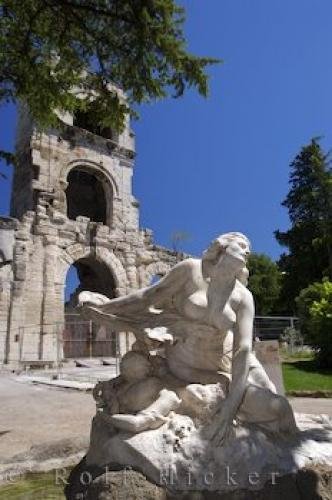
(267,353)
(312,483)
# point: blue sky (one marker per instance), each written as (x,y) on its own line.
(210,166)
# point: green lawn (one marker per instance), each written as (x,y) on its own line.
(303,375)
(296,356)
(33,487)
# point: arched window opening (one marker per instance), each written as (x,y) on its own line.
(86,196)
(86,121)
(82,338)
(155,278)
(88,274)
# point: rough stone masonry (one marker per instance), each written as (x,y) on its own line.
(71,204)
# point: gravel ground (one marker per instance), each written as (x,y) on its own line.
(312,405)
(33,415)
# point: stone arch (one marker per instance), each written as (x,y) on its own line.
(94,166)
(97,270)
(156,268)
(98,190)
(113,263)
(78,251)
(67,257)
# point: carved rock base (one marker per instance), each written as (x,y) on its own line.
(314,483)
(177,458)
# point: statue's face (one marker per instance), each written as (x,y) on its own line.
(238,249)
(230,250)
(234,256)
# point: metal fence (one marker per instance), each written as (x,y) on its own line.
(85,339)
(273,327)
(69,340)
(39,342)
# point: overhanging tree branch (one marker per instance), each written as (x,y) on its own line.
(49,47)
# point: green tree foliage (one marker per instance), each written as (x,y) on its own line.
(309,240)
(49,47)
(264,283)
(315,312)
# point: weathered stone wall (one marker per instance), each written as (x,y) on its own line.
(6,277)
(45,242)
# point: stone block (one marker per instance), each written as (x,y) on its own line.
(267,353)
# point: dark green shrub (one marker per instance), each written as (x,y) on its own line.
(315,312)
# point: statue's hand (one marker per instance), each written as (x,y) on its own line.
(220,429)
(92,298)
(222,433)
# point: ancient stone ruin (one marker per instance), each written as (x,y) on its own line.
(72,205)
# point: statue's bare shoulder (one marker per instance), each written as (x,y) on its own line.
(247,296)
(189,265)
(242,298)
(184,273)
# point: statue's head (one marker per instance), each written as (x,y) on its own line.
(231,249)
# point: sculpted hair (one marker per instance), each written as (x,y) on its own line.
(218,246)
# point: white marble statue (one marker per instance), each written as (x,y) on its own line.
(191,384)
(207,312)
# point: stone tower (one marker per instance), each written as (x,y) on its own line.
(72,204)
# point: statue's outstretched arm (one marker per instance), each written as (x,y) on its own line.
(145,297)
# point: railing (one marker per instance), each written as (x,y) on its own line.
(73,339)
(85,339)
(272,327)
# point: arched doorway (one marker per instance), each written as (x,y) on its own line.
(83,338)
(88,194)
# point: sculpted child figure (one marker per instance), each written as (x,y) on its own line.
(205,312)
(137,400)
